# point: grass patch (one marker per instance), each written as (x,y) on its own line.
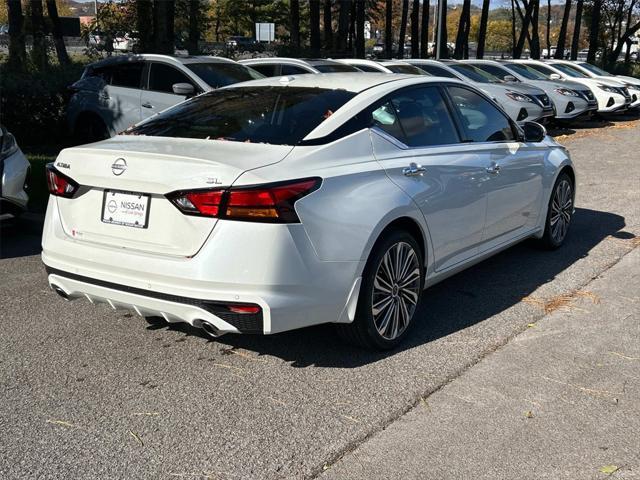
(38,191)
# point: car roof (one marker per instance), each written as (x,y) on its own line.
(352,82)
(174,59)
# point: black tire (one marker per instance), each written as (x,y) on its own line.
(363,331)
(90,128)
(550,239)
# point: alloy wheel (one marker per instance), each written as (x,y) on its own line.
(396,290)
(561,210)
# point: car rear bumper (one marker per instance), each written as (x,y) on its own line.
(272,266)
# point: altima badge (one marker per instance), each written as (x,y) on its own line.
(119,166)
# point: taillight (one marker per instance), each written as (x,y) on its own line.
(272,203)
(59,184)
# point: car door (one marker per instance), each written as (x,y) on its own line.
(119,100)
(514,186)
(417,142)
(158,94)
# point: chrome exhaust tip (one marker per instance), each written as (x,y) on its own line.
(60,292)
(210,329)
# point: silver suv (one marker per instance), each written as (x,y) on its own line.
(121,91)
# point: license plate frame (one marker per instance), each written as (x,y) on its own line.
(111,210)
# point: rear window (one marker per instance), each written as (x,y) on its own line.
(275,115)
(220,74)
(334,68)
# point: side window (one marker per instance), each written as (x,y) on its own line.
(267,69)
(292,70)
(418,117)
(127,75)
(162,78)
(482,121)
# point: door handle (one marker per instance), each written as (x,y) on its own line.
(494,169)
(413,169)
(147,105)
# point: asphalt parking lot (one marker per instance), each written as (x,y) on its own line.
(90,393)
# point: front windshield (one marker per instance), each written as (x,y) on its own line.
(569,70)
(410,69)
(434,70)
(275,115)
(218,74)
(334,68)
(497,71)
(474,73)
(525,71)
(546,71)
(595,70)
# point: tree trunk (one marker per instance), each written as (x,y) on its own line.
(615,53)
(534,43)
(144,12)
(462,38)
(415,29)
(524,33)
(403,27)
(194,30)
(575,43)
(388,29)
(39,52)
(360,16)
(163,12)
(314,27)
(562,36)
(328,29)
(352,27)
(548,29)
(343,25)
(61,49)
(17,50)
(294,27)
(442,45)
(424,30)
(513,29)
(482,31)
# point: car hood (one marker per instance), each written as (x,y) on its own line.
(630,80)
(552,84)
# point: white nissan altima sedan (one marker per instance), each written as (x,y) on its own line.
(286,202)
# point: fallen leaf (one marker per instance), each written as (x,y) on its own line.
(139,440)
(60,422)
(609,469)
(528,414)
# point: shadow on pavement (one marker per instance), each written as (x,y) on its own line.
(20,237)
(455,304)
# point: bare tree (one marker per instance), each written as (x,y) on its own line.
(61,49)
(294,22)
(39,51)
(360,16)
(462,38)
(548,33)
(144,12)
(562,36)
(442,45)
(403,27)
(17,50)
(194,27)
(482,30)
(314,27)
(424,30)
(163,13)
(534,42)
(415,29)
(594,30)
(388,29)
(575,43)
(622,39)
(513,28)
(328,29)
(343,25)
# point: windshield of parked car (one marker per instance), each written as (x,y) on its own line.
(525,71)
(474,73)
(595,70)
(569,70)
(546,71)
(434,70)
(218,74)
(334,68)
(410,69)
(276,115)
(496,71)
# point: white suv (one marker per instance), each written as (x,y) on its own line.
(121,91)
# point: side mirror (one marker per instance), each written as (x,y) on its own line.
(185,89)
(555,76)
(509,78)
(534,132)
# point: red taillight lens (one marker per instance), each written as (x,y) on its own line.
(272,203)
(60,185)
(244,309)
